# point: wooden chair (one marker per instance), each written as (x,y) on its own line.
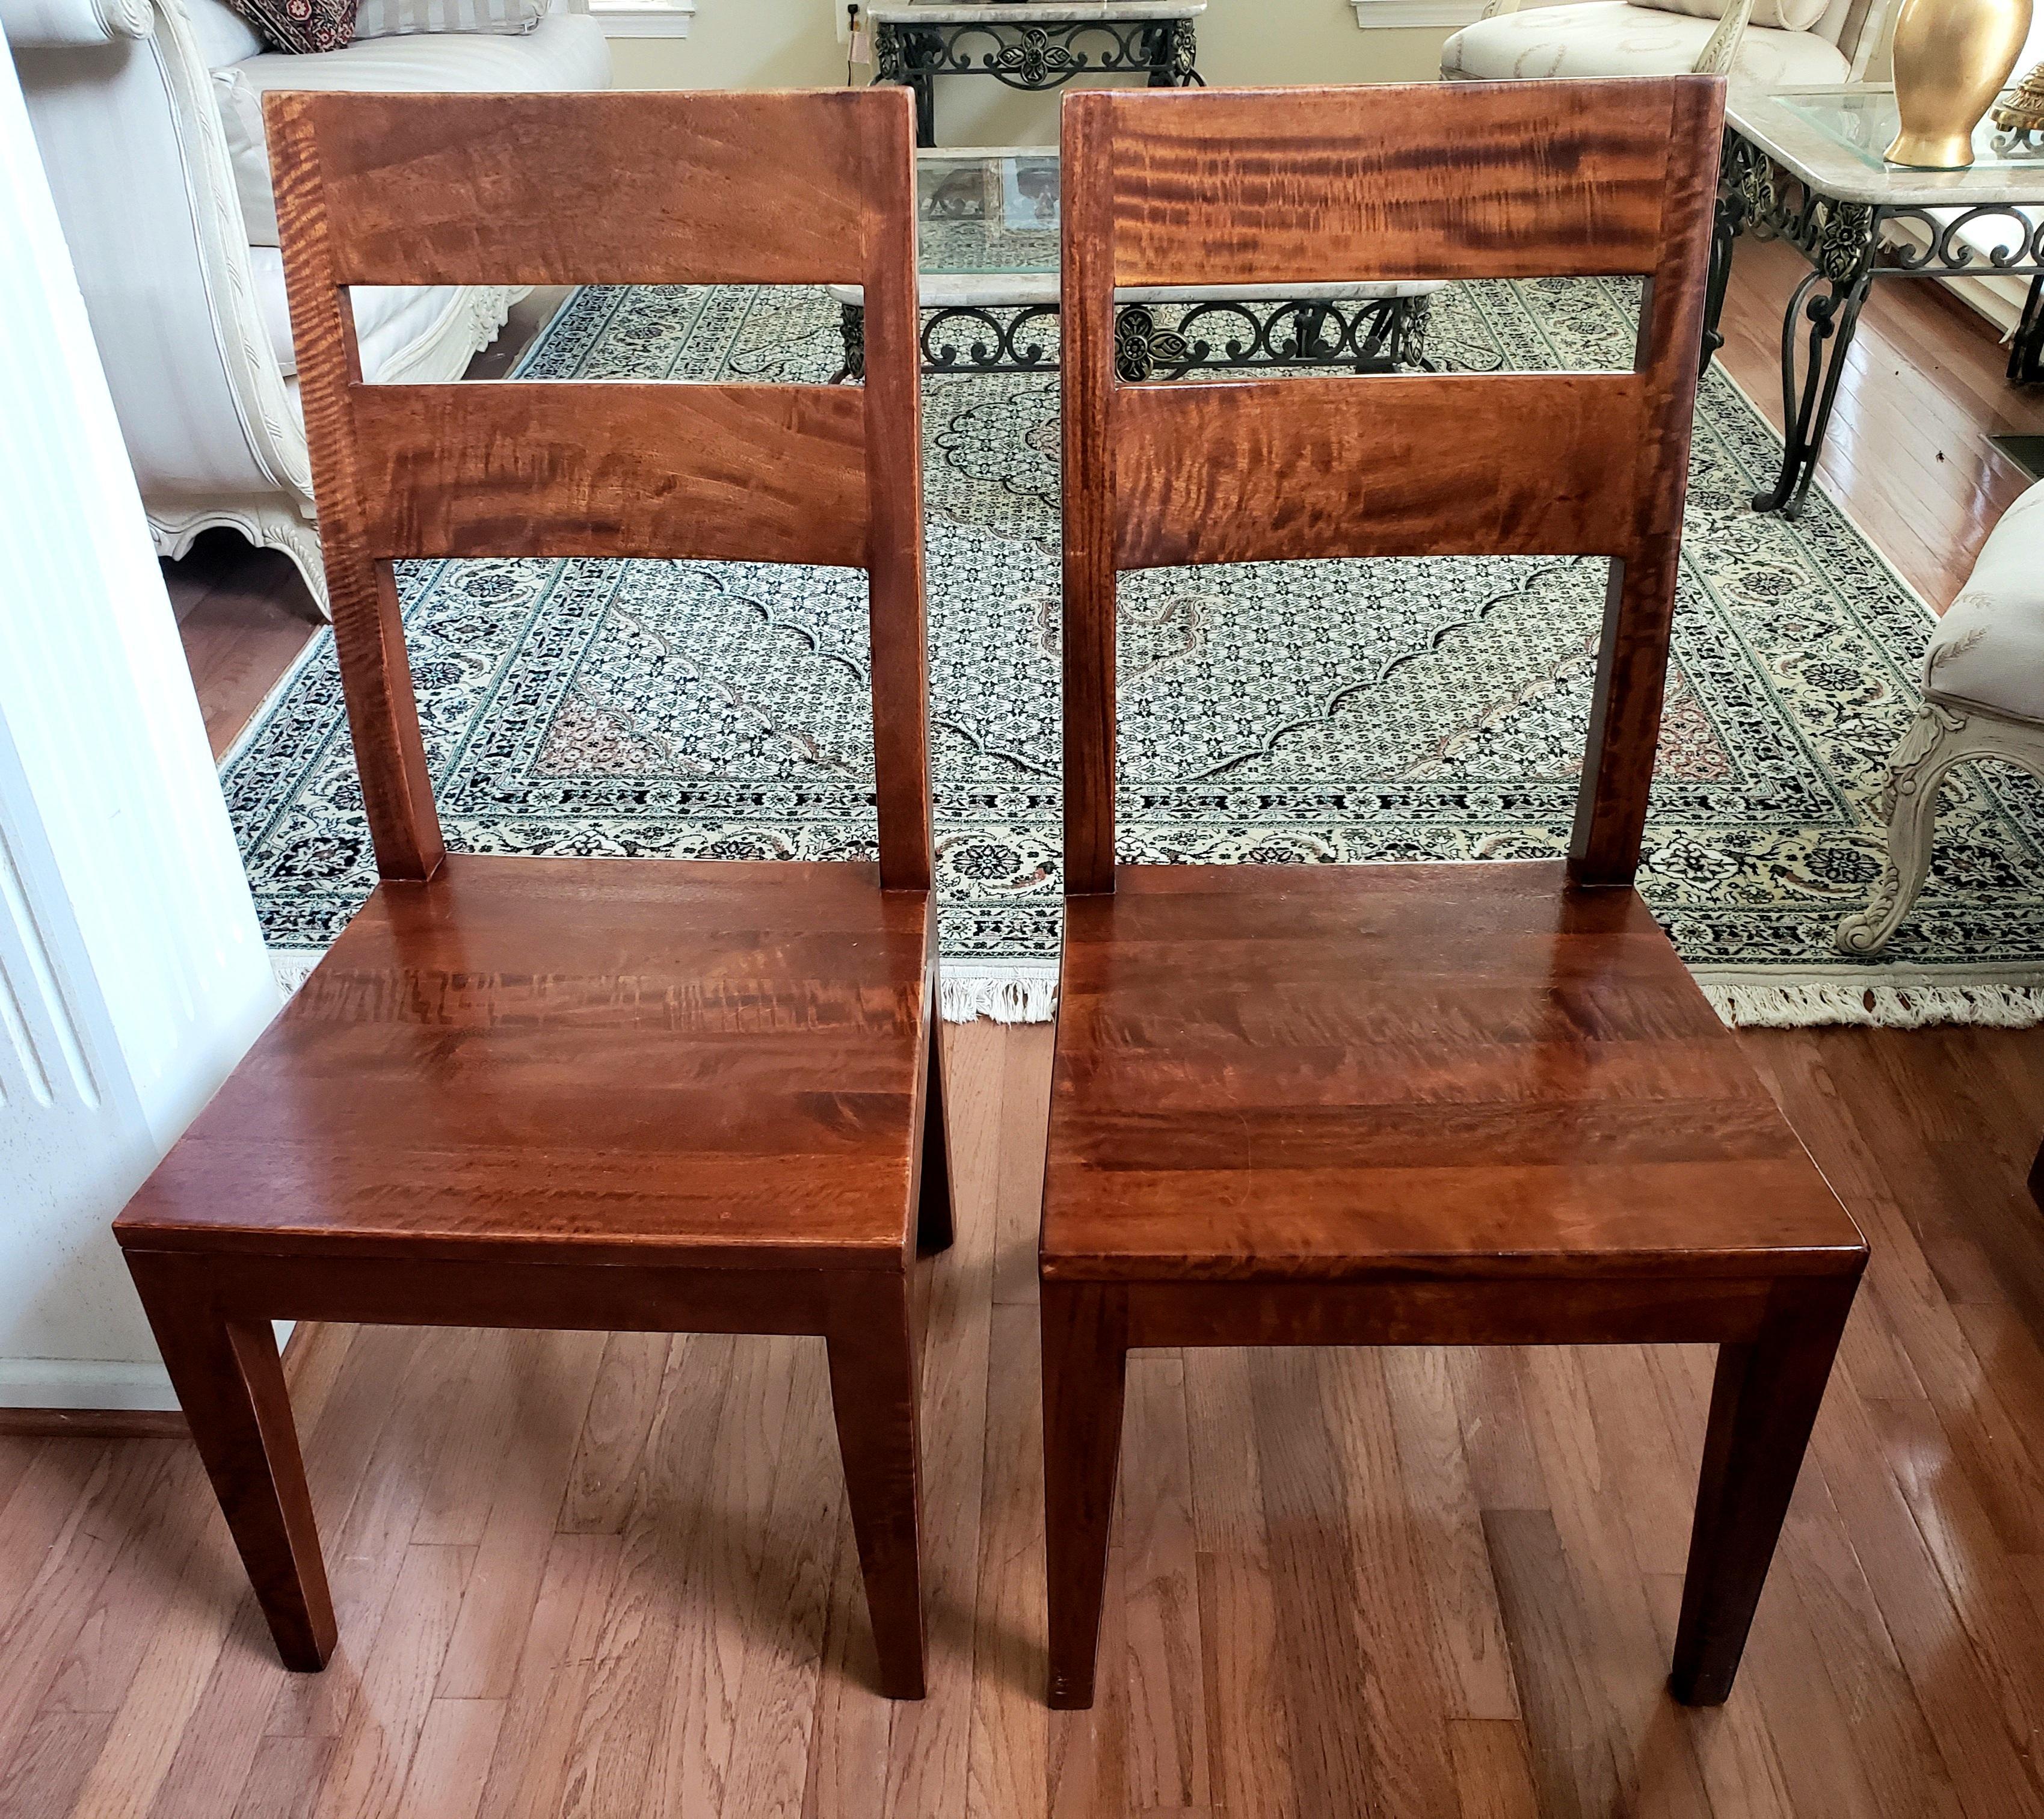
(1405,1105)
(603,1093)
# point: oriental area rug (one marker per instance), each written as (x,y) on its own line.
(1302,712)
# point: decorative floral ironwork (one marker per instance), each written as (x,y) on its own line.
(1164,342)
(1039,56)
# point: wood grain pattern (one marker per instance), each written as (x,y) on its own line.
(1415,1104)
(1472,180)
(760,473)
(576,1094)
(1287,468)
(624,188)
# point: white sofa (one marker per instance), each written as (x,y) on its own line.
(148,114)
(1616,38)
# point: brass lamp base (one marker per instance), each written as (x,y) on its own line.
(1931,151)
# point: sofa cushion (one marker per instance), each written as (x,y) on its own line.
(389,319)
(398,18)
(1777,15)
(1613,38)
(1989,649)
(567,53)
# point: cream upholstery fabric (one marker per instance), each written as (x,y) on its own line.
(43,25)
(1779,15)
(387,321)
(396,18)
(1612,38)
(1989,650)
(566,52)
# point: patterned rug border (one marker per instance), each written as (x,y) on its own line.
(1019,991)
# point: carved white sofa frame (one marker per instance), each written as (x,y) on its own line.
(1982,698)
(121,96)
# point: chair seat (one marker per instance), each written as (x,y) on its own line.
(1273,1073)
(587,1060)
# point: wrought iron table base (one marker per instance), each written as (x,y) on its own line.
(1366,335)
(1031,56)
(1849,246)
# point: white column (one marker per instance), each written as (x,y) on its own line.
(132,971)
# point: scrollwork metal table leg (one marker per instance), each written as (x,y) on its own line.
(851,325)
(1806,409)
(1725,228)
(2026,347)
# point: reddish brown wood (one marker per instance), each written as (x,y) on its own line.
(774,473)
(606,1093)
(1464,1105)
(1295,467)
(627,188)
(1275,185)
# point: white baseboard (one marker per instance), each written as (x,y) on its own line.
(1401,15)
(82,1383)
(95,1382)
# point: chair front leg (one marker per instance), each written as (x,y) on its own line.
(874,1392)
(1086,1370)
(230,1384)
(1763,1405)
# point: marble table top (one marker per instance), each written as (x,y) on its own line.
(937,13)
(1842,161)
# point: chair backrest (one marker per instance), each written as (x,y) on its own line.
(1457,180)
(690,188)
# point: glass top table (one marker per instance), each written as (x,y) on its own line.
(1803,165)
(987,254)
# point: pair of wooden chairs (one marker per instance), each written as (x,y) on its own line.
(1379,1106)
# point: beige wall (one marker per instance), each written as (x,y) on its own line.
(793,44)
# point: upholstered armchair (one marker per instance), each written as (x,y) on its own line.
(1753,40)
(148,115)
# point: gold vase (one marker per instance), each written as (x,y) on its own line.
(1952,58)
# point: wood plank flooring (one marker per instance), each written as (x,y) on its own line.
(598,1576)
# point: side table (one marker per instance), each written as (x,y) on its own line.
(1032,47)
(1803,166)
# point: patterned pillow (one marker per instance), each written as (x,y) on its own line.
(1777,15)
(303,26)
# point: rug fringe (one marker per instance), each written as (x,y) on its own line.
(1811,1003)
(1010,993)
(293,966)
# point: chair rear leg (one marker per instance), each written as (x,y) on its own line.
(230,1382)
(933,1200)
(1763,1405)
(874,1393)
(1086,1369)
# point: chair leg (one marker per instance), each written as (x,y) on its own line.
(1086,1369)
(230,1382)
(1763,1405)
(874,1392)
(933,1200)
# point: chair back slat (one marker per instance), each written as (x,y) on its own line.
(1430,181)
(1296,469)
(666,188)
(613,188)
(566,468)
(1526,180)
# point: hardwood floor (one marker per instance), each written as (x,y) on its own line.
(612,1576)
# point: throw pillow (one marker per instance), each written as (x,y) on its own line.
(1775,15)
(395,19)
(303,26)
